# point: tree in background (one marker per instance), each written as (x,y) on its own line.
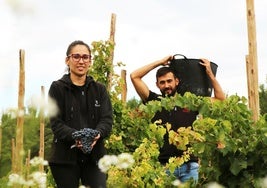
(31,138)
(263,99)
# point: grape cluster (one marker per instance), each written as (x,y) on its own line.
(86,136)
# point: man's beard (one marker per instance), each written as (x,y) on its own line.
(164,94)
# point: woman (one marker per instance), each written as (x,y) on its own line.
(83,120)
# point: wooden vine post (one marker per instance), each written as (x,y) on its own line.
(13,152)
(19,152)
(112,40)
(27,164)
(42,125)
(252,62)
(123,72)
(123,86)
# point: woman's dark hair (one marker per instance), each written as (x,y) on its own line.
(164,70)
(77,42)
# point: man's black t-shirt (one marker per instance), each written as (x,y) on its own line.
(177,117)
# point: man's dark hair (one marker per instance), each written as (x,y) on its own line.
(77,42)
(164,70)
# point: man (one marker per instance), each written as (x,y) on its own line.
(167,83)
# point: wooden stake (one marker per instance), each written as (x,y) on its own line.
(20,117)
(249,81)
(124,86)
(253,85)
(28,167)
(42,125)
(13,154)
(112,40)
(112,27)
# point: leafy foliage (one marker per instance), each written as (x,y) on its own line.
(146,171)
(229,144)
(263,99)
(31,138)
(8,128)
(231,147)
(102,64)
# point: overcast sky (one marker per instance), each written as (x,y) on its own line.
(146,30)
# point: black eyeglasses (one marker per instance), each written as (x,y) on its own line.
(77,57)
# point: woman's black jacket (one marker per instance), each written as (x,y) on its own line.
(68,118)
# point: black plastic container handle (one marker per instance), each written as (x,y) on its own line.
(179,55)
(192,75)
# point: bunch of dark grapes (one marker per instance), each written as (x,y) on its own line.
(86,136)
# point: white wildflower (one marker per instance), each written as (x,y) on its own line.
(37,161)
(176,182)
(45,162)
(106,162)
(29,183)
(15,179)
(214,185)
(264,182)
(122,161)
(125,160)
(51,108)
(48,107)
(39,178)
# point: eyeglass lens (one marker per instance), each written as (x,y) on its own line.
(77,57)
